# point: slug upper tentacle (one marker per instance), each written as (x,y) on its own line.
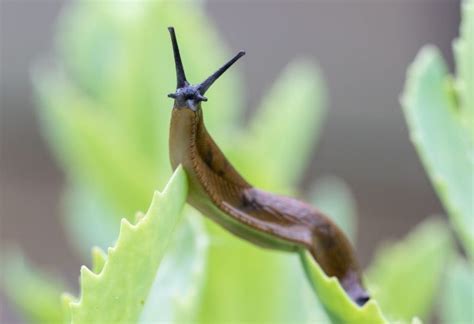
(221,193)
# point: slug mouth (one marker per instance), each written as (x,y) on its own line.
(187,95)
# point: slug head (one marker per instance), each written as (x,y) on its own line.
(187,95)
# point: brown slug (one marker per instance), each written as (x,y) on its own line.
(221,193)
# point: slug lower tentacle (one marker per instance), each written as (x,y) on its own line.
(221,193)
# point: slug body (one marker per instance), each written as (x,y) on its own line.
(221,193)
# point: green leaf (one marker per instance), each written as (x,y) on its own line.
(181,273)
(240,277)
(404,277)
(285,129)
(99,258)
(464,55)
(122,59)
(93,147)
(177,287)
(339,307)
(416,320)
(458,293)
(119,291)
(443,144)
(333,197)
(66,299)
(33,292)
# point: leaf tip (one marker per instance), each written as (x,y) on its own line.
(87,274)
(98,259)
(125,224)
(139,216)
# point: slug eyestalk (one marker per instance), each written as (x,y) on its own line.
(191,95)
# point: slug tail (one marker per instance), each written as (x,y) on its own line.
(351,283)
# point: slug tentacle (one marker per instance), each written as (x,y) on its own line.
(221,193)
(180,75)
(202,88)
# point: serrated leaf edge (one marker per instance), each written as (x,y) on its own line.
(88,276)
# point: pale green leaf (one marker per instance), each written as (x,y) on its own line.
(404,277)
(33,292)
(443,144)
(464,54)
(99,258)
(458,293)
(177,287)
(416,320)
(333,197)
(118,293)
(181,272)
(66,299)
(93,147)
(338,305)
(240,276)
(239,279)
(305,306)
(123,58)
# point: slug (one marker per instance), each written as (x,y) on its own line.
(219,192)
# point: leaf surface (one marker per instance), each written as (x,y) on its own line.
(444,146)
(405,276)
(464,55)
(119,291)
(458,293)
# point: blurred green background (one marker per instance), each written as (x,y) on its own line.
(363,49)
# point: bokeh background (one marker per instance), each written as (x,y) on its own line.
(363,48)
